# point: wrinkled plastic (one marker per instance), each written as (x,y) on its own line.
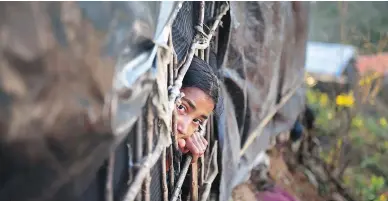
(59,62)
(265,60)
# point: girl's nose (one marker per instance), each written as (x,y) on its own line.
(183,125)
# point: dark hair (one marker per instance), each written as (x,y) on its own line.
(201,75)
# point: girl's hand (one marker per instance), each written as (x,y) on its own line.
(195,144)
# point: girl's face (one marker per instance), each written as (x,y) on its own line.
(195,109)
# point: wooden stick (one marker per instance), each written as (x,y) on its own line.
(194,166)
(171,71)
(176,154)
(164,176)
(171,148)
(139,141)
(201,171)
(201,15)
(194,182)
(181,178)
(150,133)
(109,180)
(210,176)
(139,149)
(259,129)
(149,162)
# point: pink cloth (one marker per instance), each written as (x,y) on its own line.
(275,194)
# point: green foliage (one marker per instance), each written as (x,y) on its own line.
(370,189)
(369,140)
(364,25)
(370,160)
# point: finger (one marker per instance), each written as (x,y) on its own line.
(198,143)
(204,141)
(181,143)
(190,145)
(182,146)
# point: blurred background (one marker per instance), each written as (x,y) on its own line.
(346,66)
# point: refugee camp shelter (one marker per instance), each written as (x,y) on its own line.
(331,65)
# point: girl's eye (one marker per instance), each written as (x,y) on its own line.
(181,108)
(197,121)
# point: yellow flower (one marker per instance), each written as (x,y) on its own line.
(382,197)
(383,122)
(345,100)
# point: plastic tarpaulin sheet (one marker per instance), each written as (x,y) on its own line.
(265,59)
(70,74)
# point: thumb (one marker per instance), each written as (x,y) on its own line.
(182,145)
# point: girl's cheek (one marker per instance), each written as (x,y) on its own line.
(191,129)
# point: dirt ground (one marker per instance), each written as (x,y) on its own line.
(296,183)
